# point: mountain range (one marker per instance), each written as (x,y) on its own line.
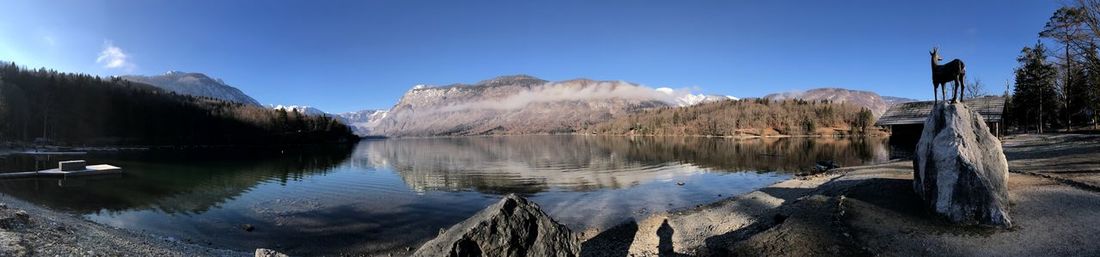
(522,104)
(195,84)
(363,122)
(306,110)
(867,99)
(517,104)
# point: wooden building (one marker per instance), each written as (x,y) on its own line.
(906,121)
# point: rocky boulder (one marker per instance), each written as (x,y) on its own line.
(960,170)
(261,252)
(513,227)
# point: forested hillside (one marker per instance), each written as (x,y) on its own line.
(745,118)
(47,106)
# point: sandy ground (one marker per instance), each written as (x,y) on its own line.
(872,211)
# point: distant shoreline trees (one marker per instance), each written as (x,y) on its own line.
(755,117)
(49,107)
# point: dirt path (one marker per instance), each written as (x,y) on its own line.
(1066,156)
(872,211)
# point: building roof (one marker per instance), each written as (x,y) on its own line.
(990,107)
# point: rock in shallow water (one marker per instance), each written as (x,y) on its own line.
(512,227)
(960,170)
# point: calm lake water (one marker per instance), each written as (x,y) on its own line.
(381,195)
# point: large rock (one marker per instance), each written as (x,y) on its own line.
(513,227)
(261,252)
(960,168)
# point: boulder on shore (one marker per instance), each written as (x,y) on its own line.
(513,227)
(261,252)
(960,170)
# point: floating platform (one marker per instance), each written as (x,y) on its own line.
(67,169)
(52,153)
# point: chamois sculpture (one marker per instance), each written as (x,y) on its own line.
(953,71)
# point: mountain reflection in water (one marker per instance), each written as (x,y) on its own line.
(388,194)
(532,164)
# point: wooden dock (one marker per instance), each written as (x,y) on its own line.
(67,169)
(52,153)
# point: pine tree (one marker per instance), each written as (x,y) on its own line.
(4,120)
(1034,97)
(1067,26)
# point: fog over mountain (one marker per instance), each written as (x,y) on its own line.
(195,84)
(522,105)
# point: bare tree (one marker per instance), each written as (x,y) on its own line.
(974,89)
(1091,15)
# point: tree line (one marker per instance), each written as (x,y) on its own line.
(745,118)
(48,107)
(1058,86)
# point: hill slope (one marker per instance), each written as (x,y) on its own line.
(70,109)
(195,84)
(867,99)
(516,105)
(757,117)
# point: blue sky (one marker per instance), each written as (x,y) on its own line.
(349,55)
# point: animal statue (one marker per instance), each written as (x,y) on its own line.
(953,71)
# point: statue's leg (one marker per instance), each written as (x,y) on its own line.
(962,85)
(943,91)
(935,95)
(955,92)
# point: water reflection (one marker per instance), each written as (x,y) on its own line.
(168,181)
(531,164)
(382,195)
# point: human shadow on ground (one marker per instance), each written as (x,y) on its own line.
(664,243)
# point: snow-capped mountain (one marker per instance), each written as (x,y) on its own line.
(517,104)
(300,109)
(684,98)
(195,84)
(362,122)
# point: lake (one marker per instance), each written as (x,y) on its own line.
(380,195)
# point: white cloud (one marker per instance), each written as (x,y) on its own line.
(113,57)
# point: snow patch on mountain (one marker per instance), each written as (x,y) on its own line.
(362,122)
(684,97)
(301,109)
(867,99)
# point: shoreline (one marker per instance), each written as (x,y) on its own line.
(871,210)
(850,211)
(644,135)
(45,232)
